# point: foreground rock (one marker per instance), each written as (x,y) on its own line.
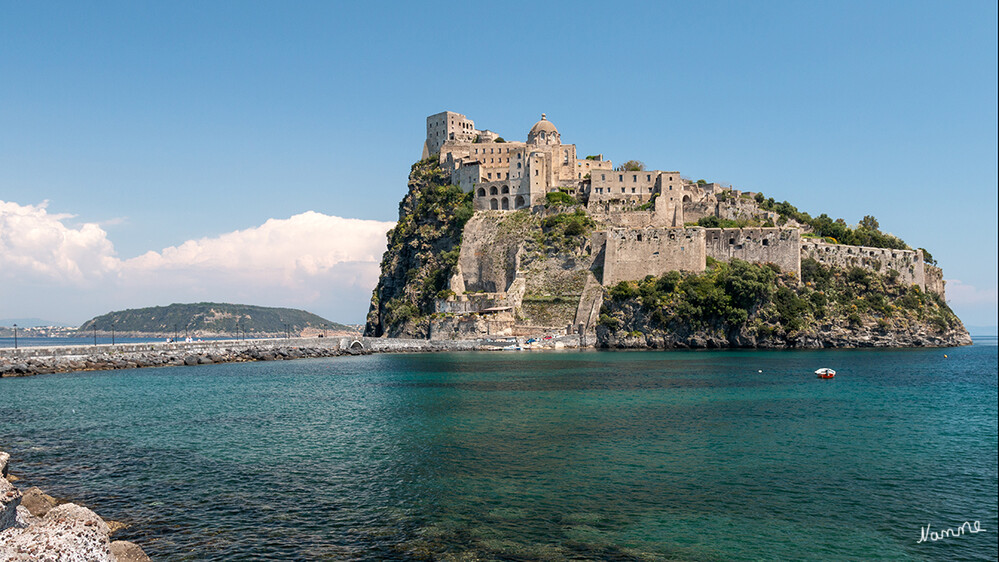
(33,527)
(69,532)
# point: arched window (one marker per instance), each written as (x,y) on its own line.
(518,165)
(492,190)
(482,192)
(506,189)
(506,204)
(519,202)
(493,204)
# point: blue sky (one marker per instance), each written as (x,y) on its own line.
(144,147)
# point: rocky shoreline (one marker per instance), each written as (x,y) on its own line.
(36,526)
(835,338)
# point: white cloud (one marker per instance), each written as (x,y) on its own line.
(962,294)
(307,260)
(38,245)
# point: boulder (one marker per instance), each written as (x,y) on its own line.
(125,551)
(68,533)
(10,498)
(38,502)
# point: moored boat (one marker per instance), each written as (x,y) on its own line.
(825,373)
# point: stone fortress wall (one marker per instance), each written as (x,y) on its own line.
(908,263)
(779,246)
(631,254)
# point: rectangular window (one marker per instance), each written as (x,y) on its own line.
(648,177)
(634,177)
(490,174)
(620,177)
(633,190)
(603,177)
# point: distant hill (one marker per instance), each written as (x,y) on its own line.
(208,318)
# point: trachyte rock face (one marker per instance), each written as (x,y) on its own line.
(421,254)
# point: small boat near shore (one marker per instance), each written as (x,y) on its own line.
(825,373)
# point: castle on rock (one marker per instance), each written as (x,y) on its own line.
(646,225)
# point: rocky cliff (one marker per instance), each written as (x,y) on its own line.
(422,252)
(756,306)
(539,261)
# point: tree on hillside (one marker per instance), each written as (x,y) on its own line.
(632,166)
(870,222)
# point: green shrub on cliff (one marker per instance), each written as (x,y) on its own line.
(556,198)
(564,229)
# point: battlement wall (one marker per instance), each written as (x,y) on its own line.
(934,280)
(631,254)
(779,246)
(908,263)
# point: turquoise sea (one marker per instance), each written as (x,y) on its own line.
(706,455)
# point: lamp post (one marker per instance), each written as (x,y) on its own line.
(112,333)
(15,336)
(95,333)
(286,333)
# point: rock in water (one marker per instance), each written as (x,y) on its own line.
(125,551)
(38,502)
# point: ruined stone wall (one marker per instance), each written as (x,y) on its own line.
(779,246)
(698,204)
(631,254)
(735,208)
(908,263)
(694,211)
(934,280)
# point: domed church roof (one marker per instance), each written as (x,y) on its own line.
(543,132)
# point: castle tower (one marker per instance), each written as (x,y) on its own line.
(544,132)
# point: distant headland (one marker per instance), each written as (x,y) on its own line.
(502,238)
(210,319)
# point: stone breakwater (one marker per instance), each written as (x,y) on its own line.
(41,360)
(33,526)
